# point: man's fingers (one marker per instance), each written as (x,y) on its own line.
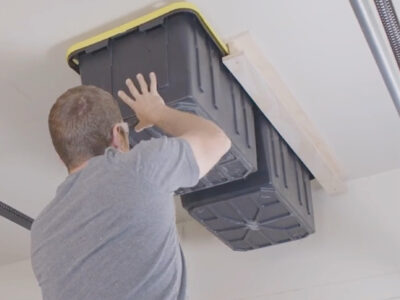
(153,83)
(143,84)
(128,100)
(132,88)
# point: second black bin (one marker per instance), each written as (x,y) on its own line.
(271,206)
(180,47)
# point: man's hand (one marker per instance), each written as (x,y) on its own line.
(146,103)
(208,142)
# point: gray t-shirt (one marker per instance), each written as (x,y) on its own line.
(110,231)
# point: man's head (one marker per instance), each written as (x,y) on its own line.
(83,122)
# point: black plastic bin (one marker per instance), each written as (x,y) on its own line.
(270,206)
(187,59)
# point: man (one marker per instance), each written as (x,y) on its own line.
(110,232)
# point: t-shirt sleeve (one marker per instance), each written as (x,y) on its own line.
(166,162)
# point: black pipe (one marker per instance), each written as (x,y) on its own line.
(15,216)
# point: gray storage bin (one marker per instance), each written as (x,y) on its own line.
(271,206)
(191,77)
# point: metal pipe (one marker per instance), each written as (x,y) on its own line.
(374,32)
(390,23)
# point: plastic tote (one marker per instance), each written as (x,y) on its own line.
(271,206)
(178,44)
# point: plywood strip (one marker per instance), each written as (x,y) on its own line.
(258,77)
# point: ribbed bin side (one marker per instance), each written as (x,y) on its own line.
(233,165)
(289,176)
(269,207)
(191,77)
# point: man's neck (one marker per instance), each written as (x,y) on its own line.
(78,168)
(124,148)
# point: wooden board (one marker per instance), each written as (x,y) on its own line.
(258,77)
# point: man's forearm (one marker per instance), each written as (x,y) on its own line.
(178,123)
(209,143)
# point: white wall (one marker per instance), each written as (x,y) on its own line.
(353,256)
(17,282)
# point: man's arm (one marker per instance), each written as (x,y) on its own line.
(208,142)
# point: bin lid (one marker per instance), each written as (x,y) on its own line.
(74,50)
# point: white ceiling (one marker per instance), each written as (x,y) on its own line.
(315,45)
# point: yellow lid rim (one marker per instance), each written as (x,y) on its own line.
(177,6)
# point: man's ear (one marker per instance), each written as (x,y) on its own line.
(119,139)
(116,137)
